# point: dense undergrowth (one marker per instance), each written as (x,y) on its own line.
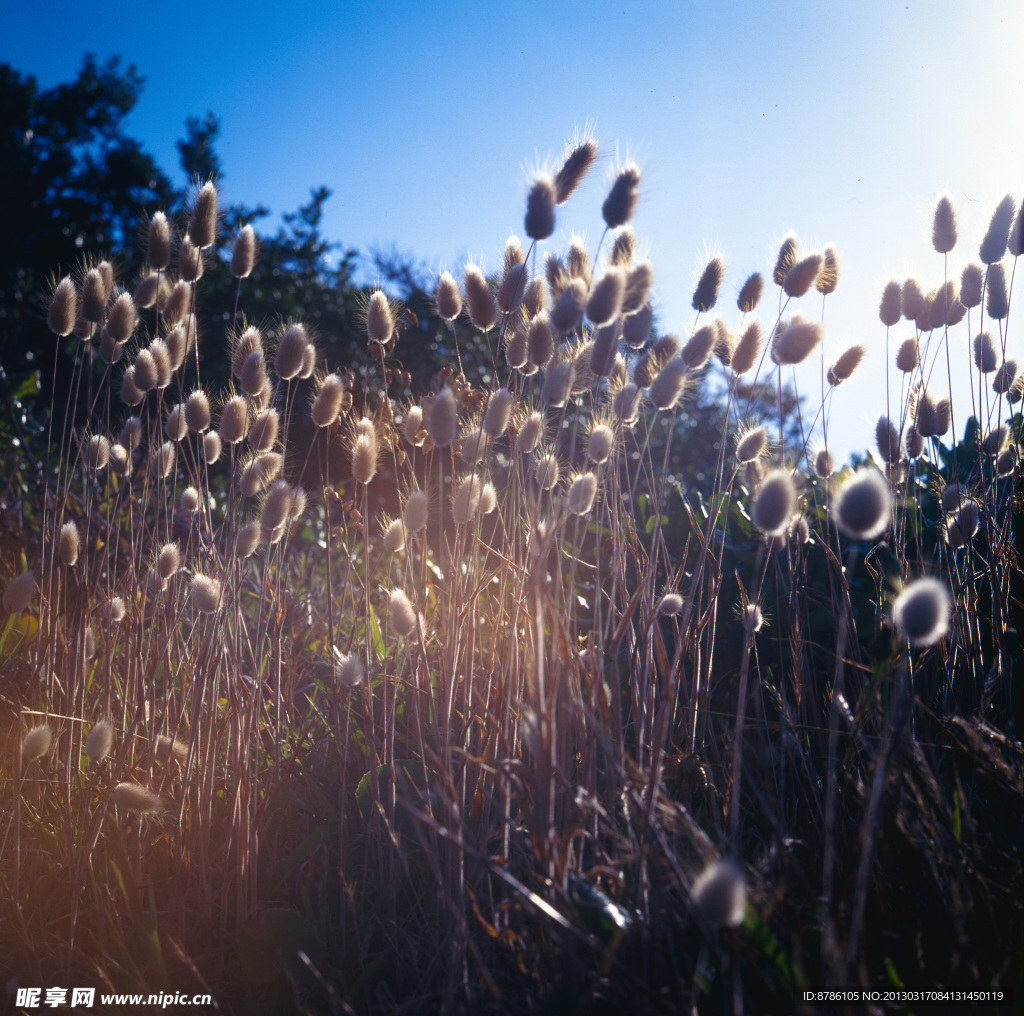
(508,716)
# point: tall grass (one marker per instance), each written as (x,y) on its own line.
(511,718)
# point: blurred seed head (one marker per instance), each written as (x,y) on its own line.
(921,612)
(720,893)
(132,797)
(100,740)
(18,593)
(986,353)
(862,505)
(993,244)
(443,419)
(911,300)
(774,503)
(582,490)
(907,356)
(36,743)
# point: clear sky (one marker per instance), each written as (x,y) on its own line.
(840,121)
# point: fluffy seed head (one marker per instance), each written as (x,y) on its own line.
(234,420)
(638,285)
(158,244)
(931,417)
(161,362)
(190,261)
(750,293)
(100,740)
(720,893)
(393,537)
(773,503)
(890,309)
(364,457)
(242,346)
(921,612)
(995,440)
(540,342)
(291,352)
(623,247)
(567,313)
(482,307)
(466,500)
(176,427)
(169,749)
(911,300)
(328,401)
(19,592)
(447,297)
(113,610)
(513,288)
(823,463)
(914,442)
(496,416)
(348,670)
(706,294)
(132,797)
(785,259)
(887,439)
(577,162)
(197,411)
(253,377)
(863,505)
(993,245)
(944,225)
(415,512)
(202,228)
(600,443)
(189,501)
(1005,377)
(259,472)
(558,384)
(580,497)
(802,275)
(828,277)
(997,301)
(535,298)
(401,613)
(168,560)
(669,384)
(962,524)
(795,342)
(380,320)
(636,329)
(205,592)
(747,350)
(1015,241)
(753,474)
(474,446)
(972,280)
(247,540)
(670,603)
(162,460)
(539,222)
(211,447)
(264,429)
(605,301)
(243,254)
(620,204)
(97,452)
(699,347)
(907,357)
(63,309)
(986,354)
(443,419)
(751,445)
(626,404)
(846,364)
(1006,461)
(68,544)
(138,379)
(36,743)
(94,296)
(178,302)
(546,471)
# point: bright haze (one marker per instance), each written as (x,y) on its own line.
(840,122)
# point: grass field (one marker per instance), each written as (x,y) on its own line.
(515,718)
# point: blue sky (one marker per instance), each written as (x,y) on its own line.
(841,121)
